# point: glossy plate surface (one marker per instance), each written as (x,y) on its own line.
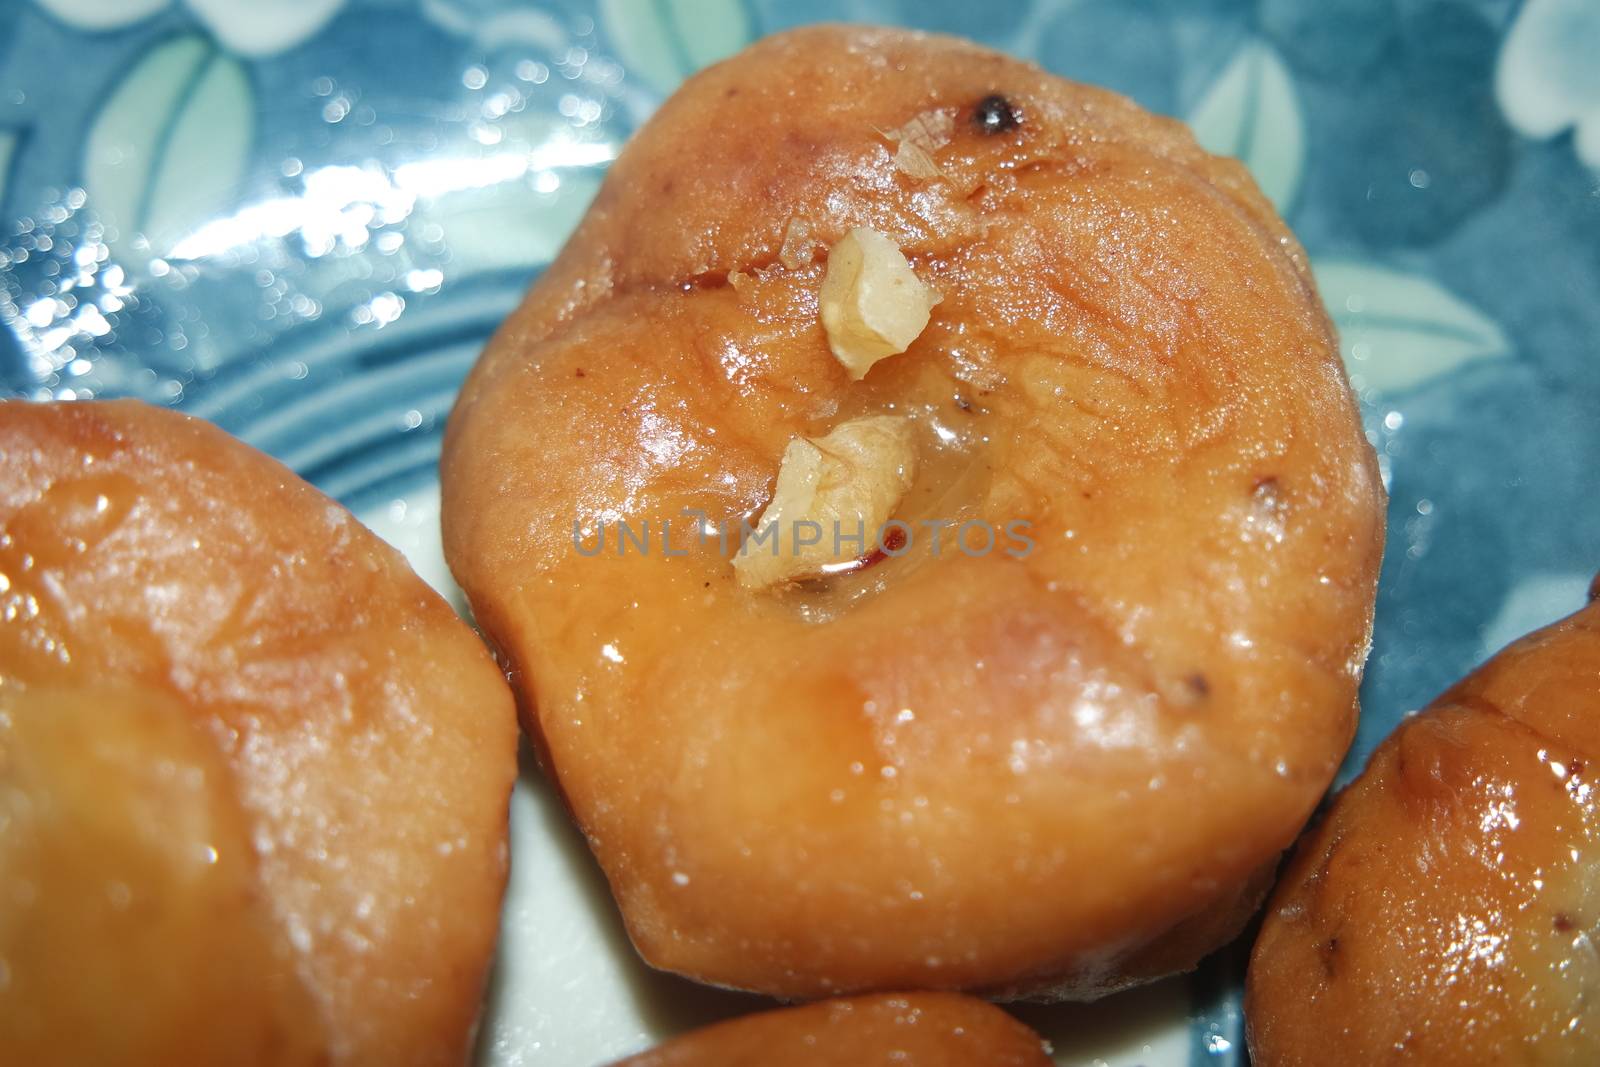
(302,218)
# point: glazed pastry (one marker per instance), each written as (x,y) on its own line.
(253,772)
(870,279)
(909,1029)
(1446,910)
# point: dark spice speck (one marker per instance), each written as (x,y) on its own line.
(994,114)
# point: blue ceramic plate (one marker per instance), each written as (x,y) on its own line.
(302,218)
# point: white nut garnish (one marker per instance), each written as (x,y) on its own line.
(833,496)
(929,131)
(873,305)
(915,162)
(919,139)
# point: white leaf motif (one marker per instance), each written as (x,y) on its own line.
(1546,79)
(100,15)
(1533,603)
(1252,112)
(1397,330)
(264,27)
(251,28)
(665,41)
(170,145)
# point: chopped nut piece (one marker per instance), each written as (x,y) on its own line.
(918,139)
(872,304)
(832,498)
(929,131)
(916,163)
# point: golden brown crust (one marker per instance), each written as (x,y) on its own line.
(366,736)
(134,930)
(910,1029)
(791,130)
(1445,909)
(904,779)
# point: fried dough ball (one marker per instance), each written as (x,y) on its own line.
(133,931)
(912,1029)
(253,772)
(1447,908)
(1055,768)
